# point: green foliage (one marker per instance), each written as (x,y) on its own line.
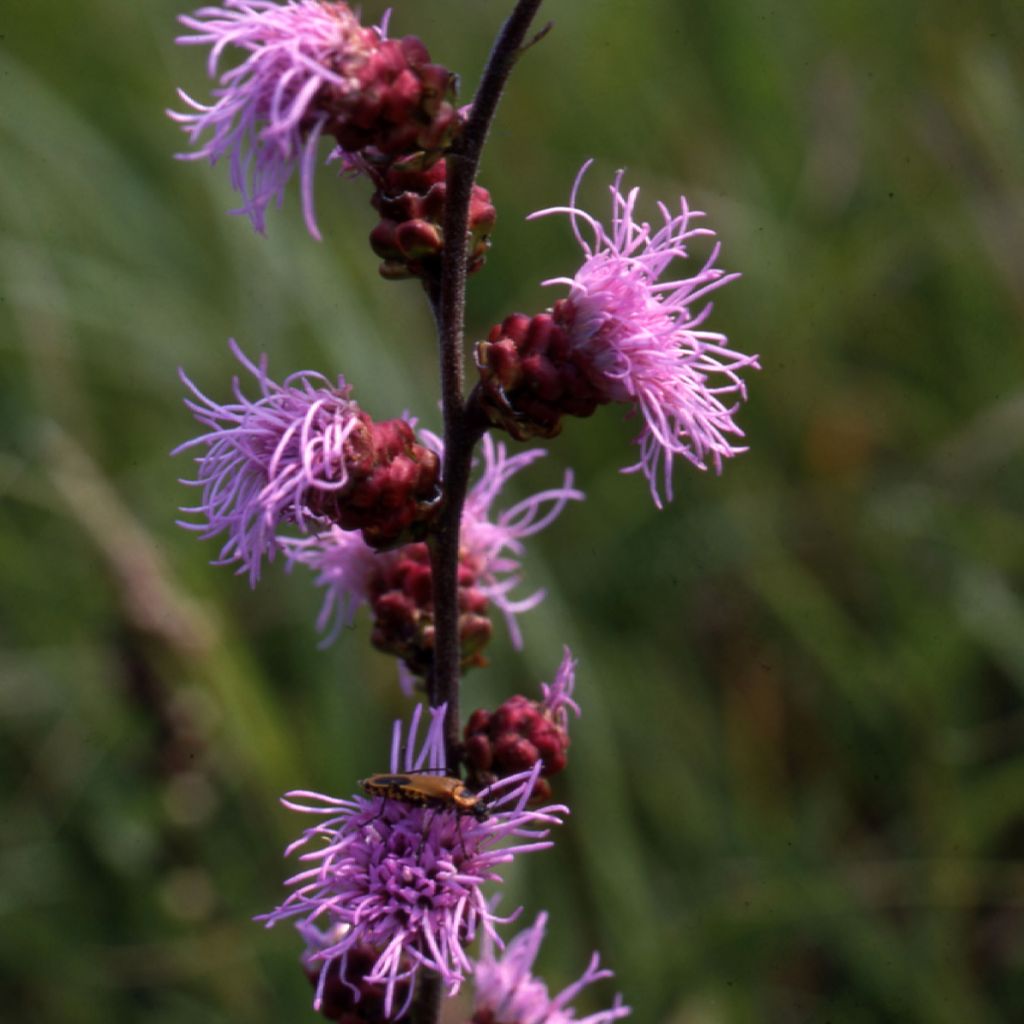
(798,786)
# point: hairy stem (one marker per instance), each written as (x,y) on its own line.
(462,428)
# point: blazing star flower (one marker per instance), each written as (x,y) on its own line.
(623,335)
(492,546)
(266,118)
(639,338)
(406,880)
(295,455)
(508,993)
(311,69)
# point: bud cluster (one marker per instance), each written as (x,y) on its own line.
(513,739)
(311,70)
(393,99)
(393,489)
(402,602)
(531,375)
(523,732)
(410,236)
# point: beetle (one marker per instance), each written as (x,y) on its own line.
(423,790)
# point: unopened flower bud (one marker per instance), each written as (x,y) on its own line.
(410,199)
(522,732)
(402,603)
(530,378)
(514,753)
(394,489)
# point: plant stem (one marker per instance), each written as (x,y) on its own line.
(426,1007)
(462,426)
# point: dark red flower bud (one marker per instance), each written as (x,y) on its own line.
(393,484)
(514,753)
(403,104)
(478,721)
(401,599)
(530,377)
(515,737)
(477,754)
(410,199)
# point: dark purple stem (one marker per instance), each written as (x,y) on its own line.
(462,425)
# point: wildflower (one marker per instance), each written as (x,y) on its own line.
(524,732)
(310,70)
(404,880)
(508,993)
(397,586)
(302,453)
(624,335)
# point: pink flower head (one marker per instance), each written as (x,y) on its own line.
(311,69)
(267,117)
(302,452)
(508,993)
(264,456)
(639,339)
(406,880)
(492,544)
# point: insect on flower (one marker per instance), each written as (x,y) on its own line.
(422,790)
(402,879)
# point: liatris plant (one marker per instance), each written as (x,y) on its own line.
(391,896)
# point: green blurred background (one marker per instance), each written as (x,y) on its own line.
(798,785)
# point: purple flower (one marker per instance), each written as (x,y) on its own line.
(404,880)
(507,992)
(639,339)
(265,458)
(267,116)
(492,544)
